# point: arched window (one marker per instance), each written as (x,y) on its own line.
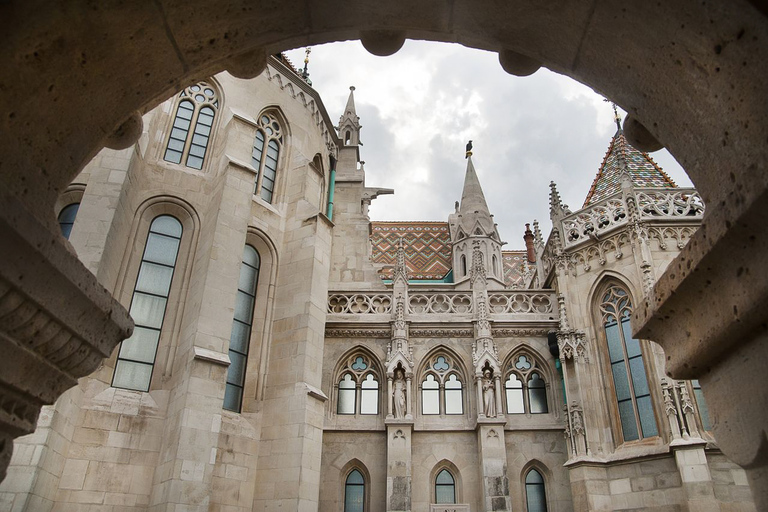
(240,339)
(358,385)
(698,395)
(535,494)
(136,357)
(67,218)
(442,389)
(525,388)
(463,265)
(630,383)
(495,265)
(192,125)
(354,492)
(445,488)
(270,134)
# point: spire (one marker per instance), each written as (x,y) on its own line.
(349,123)
(350,109)
(305,71)
(623,159)
(472,197)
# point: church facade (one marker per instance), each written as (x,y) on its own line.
(291,354)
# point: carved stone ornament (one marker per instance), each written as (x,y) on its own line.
(357,333)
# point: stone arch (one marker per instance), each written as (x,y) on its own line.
(346,469)
(453,469)
(461,367)
(545,473)
(267,250)
(147,211)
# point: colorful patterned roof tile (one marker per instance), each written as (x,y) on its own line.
(427,248)
(515,264)
(644,171)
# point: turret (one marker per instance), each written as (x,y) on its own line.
(349,123)
(473,222)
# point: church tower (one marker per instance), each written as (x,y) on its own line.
(349,123)
(472,222)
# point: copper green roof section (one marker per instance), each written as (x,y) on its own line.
(643,170)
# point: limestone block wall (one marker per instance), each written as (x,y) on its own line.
(648,485)
(343,450)
(545,451)
(730,483)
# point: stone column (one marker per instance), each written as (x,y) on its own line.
(408,396)
(493,460)
(696,478)
(399,433)
(497,392)
(389,395)
(479,390)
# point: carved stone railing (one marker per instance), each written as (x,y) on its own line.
(360,303)
(655,204)
(440,305)
(440,302)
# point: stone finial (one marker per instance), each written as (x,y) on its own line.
(563,314)
(555,203)
(537,238)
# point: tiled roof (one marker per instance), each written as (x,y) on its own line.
(644,171)
(427,248)
(514,263)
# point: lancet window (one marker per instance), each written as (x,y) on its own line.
(242,324)
(266,155)
(442,390)
(136,357)
(358,387)
(354,492)
(535,492)
(445,488)
(67,217)
(525,389)
(192,124)
(630,382)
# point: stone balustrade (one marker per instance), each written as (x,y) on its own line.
(611,213)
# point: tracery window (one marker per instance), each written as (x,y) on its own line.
(136,357)
(192,125)
(358,385)
(442,390)
(242,325)
(535,493)
(67,217)
(354,492)
(630,382)
(525,389)
(268,134)
(445,488)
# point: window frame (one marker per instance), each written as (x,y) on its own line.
(198,96)
(452,486)
(358,366)
(526,484)
(71,224)
(275,140)
(254,284)
(442,375)
(166,298)
(364,504)
(622,311)
(524,376)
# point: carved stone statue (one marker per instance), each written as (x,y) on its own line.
(398,394)
(489,397)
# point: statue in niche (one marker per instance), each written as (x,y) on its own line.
(489,397)
(398,393)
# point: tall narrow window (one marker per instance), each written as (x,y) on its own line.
(358,384)
(525,389)
(698,394)
(354,492)
(442,391)
(150,297)
(463,265)
(630,382)
(242,325)
(269,133)
(191,130)
(67,218)
(445,488)
(535,494)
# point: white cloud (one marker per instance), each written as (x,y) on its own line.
(419,107)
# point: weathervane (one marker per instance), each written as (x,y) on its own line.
(305,72)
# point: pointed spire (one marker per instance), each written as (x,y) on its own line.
(350,109)
(622,162)
(349,122)
(472,197)
(555,203)
(537,238)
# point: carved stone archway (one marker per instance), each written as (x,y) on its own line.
(76,76)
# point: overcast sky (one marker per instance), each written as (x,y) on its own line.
(419,107)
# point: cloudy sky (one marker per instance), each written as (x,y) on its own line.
(419,107)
